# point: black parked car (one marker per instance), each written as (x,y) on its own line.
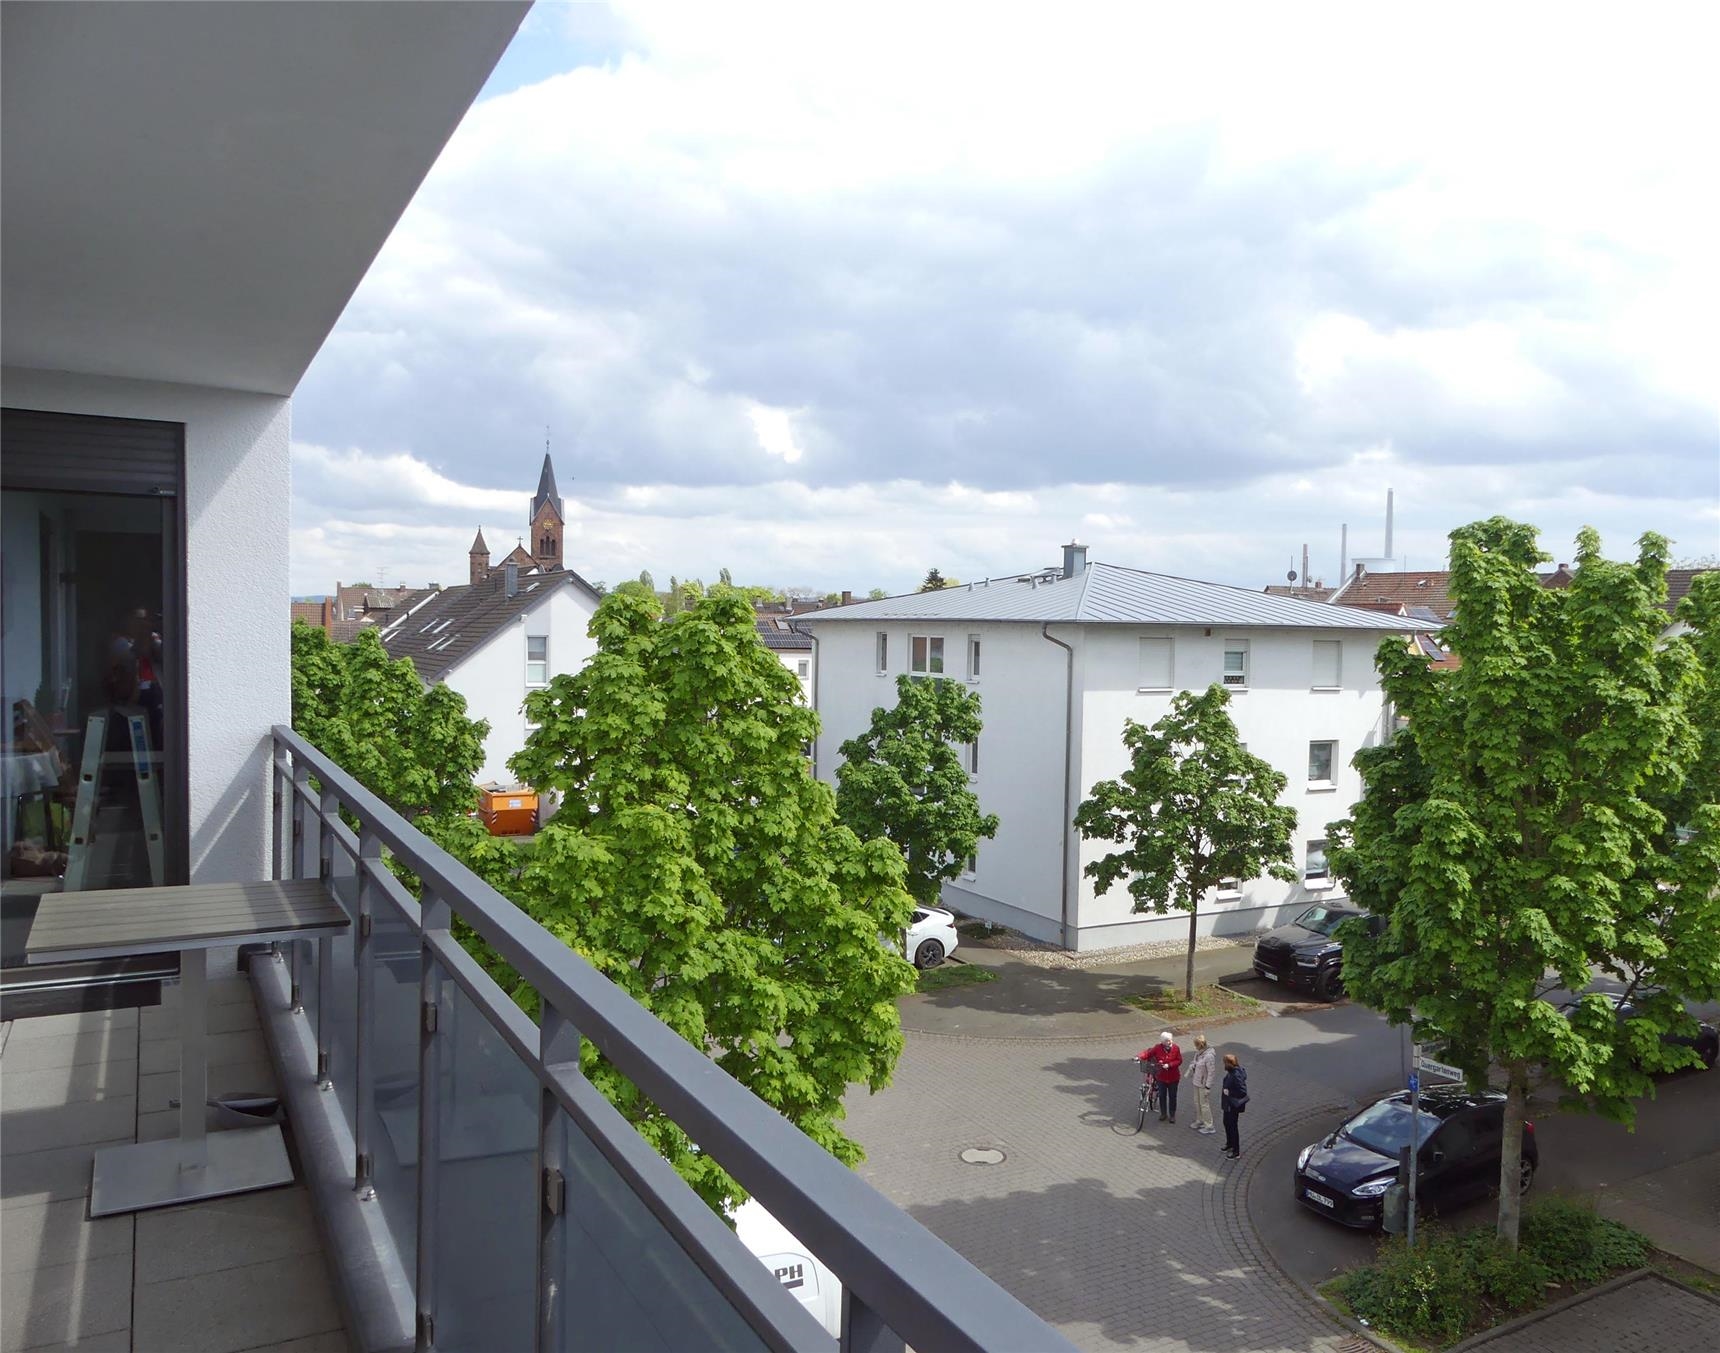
(1304,954)
(1345,1176)
(1705,1041)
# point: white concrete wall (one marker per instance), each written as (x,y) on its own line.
(1277,716)
(792,660)
(238,683)
(1020,877)
(1021,690)
(493,679)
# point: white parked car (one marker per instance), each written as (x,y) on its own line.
(795,1267)
(931,937)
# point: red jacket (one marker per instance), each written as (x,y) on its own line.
(1166,1061)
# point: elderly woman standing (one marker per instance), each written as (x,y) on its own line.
(1202,1073)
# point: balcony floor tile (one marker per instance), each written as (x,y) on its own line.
(65,1302)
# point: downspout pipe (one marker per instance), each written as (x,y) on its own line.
(1068,824)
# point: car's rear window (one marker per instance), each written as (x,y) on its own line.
(1385,1127)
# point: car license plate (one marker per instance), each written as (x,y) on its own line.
(1269,976)
(1319,1198)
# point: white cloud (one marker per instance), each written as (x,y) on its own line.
(1179,279)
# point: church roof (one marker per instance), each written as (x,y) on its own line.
(478,546)
(546,491)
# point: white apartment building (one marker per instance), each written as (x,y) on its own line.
(1060,659)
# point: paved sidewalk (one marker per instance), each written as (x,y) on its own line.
(1647,1315)
(1678,1208)
(1029,1001)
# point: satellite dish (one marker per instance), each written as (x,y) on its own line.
(1290,576)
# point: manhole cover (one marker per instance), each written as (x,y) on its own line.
(983,1155)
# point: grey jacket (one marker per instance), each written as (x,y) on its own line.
(1205,1063)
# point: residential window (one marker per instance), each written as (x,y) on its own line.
(1236,662)
(973,657)
(805,668)
(1328,664)
(1322,758)
(926,655)
(1230,888)
(971,756)
(1155,666)
(883,652)
(537,660)
(970,866)
(1316,873)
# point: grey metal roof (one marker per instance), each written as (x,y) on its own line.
(1106,594)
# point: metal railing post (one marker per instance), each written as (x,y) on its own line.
(434,915)
(558,1046)
(328,811)
(364,963)
(301,846)
(863,1331)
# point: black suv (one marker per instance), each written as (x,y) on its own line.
(1304,954)
(1345,1176)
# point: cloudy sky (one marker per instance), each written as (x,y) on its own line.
(829,298)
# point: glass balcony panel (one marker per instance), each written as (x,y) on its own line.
(338,1020)
(486,1224)
(629,1284)
(394,1049)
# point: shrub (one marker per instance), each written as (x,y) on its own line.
(1427,1294)
(1512,1280)
(1577,1244)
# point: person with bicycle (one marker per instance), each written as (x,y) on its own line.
(1163,1063)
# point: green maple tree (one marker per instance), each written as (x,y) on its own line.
(1547,812)
(903,778)
(1194,808)
(371,715)
(696,863)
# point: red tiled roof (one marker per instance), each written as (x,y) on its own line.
(1381,591)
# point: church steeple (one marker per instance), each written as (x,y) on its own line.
(546,491)
(547,521)
(478,559)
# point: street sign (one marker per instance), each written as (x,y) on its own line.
(1414,1081)
(1439,1069)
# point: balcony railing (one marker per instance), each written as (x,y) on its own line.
(478,1192)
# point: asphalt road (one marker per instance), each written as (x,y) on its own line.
(1357,1056)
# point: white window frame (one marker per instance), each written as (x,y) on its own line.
(970,866)
(1170,663)
(973,657)
(1337,683)
(803,668)
(1233,646)
(1314,882)
(970,757)
(881,652)
(531,662)
(928,640)
(1331,781)
(1228,890)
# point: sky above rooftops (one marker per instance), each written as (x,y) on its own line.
(832,297)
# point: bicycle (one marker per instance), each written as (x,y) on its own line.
(1149,1093)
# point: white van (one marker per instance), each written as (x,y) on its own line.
(796,1267)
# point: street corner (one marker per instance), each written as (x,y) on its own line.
(1275,998)
(1307,1248)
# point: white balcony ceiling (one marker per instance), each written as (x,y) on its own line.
(192,192)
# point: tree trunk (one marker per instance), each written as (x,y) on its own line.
(1188,979)
(1511,1154)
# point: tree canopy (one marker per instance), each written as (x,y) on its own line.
(696,862)
(1521,832)
(1194,808)
(414,747)
(903,778)
(935,581)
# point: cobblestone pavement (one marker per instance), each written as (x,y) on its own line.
(1644,1316)
(1122,1241)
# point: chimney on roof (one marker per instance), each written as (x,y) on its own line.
(1388,554)
(847,598)
(511,579)
(1074,559)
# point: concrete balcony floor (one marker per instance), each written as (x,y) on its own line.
(245,1272)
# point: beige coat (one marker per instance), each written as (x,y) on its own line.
(1205,1065)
